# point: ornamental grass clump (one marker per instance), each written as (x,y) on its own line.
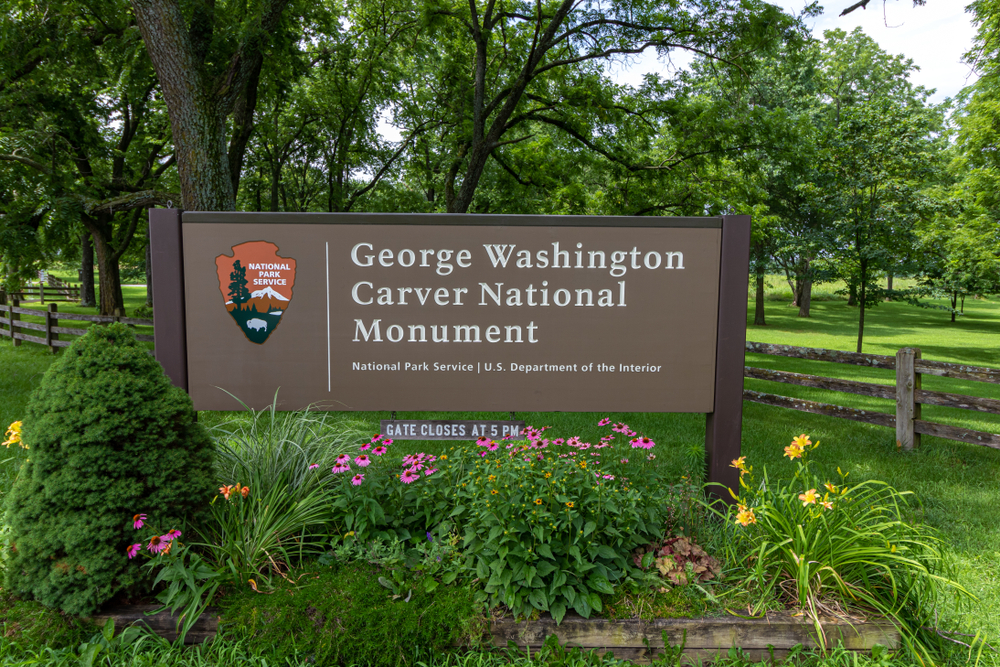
(109,438)
(839,549)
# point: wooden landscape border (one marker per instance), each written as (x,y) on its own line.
(635,640)
(723,426)
(701,638)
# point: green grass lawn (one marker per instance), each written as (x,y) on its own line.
(958,483)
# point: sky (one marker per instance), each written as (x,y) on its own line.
(934,36)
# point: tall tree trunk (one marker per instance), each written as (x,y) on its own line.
(888,286)
(805,298)
(758,309)
(861,303)
(962,307)
(87,296)
(199,101)
(242,128)
(149,274)
(110,292)
(275,183)
(852,293)
(805,289)
(954,303)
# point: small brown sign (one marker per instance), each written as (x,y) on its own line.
(452,429)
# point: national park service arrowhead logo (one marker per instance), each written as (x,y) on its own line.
(256,285)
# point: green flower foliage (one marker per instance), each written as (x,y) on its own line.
(109,437)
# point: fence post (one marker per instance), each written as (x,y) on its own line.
(907,409)
(15,303)
(41,290)
(51,320)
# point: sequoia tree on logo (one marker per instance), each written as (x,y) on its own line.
(256,284)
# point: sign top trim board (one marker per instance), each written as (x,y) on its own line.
(231,217)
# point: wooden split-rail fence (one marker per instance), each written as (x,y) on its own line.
(48,331)
(54,290)
(907,391)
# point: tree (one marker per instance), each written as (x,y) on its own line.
(91,131)
(208,61)
(496,72)
(877,155)
(238,292)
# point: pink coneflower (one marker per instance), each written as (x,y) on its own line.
(430,471)
(484,453)
(363,460)
(643,442)
(409,475)
(133,550)
(558,441)
(376,437)
(137,521)
(651,456)
(357,479)
(604,422)
(620,428)
(379,451)
(410,459)
(493,447)
(574,441)
(482,441)
(584,446)
(387,442)
(365,447)
(157,544)
(171,535)
(313,466)
(608,477)
(341,468)
(624,460)
(532,433)
(343,458)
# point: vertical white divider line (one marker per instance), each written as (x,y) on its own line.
(329,384)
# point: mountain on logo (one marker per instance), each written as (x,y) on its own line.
(256,266)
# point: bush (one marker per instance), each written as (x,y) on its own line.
(109,438)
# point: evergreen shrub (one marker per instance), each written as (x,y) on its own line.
(109,438)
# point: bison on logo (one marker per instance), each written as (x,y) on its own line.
(256,285)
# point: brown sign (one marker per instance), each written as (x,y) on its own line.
(458,312)
(451,317)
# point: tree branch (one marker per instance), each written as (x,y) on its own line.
(863,5)
(25,161)
(132,200)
